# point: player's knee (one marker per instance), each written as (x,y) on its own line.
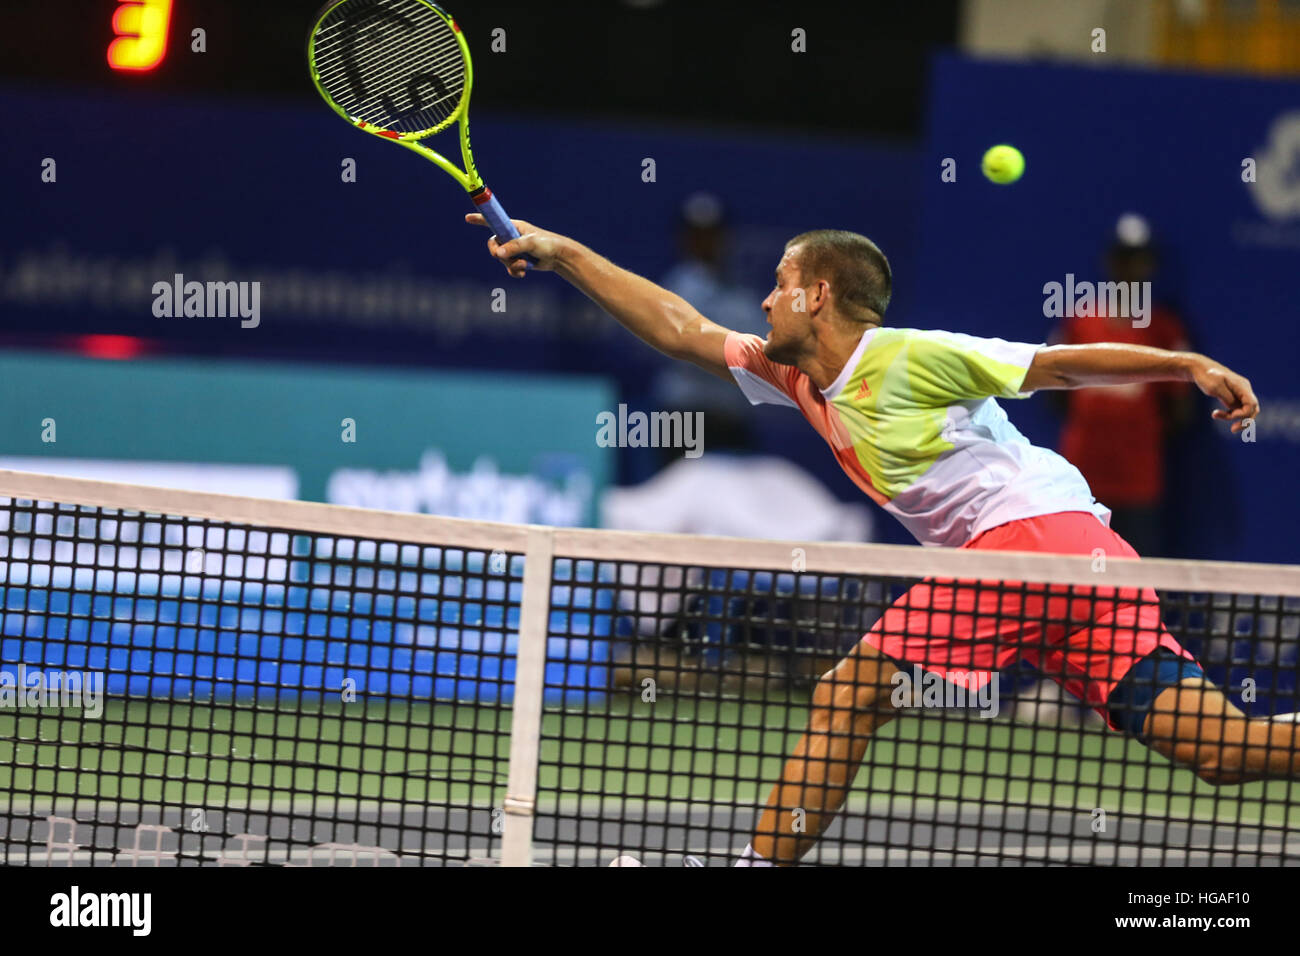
(837,692)
(1218,766)
(1217,776)
(829,692)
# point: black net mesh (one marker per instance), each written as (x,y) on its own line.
(714,677)
(183,690)
(189,691)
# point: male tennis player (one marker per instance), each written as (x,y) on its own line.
(912,417)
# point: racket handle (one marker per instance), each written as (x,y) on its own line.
(502,228)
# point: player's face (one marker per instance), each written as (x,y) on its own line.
(786,312)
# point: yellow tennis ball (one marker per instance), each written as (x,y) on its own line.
(1003,164)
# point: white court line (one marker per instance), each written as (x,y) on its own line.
(616,808)
(972,848)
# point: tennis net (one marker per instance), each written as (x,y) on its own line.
(197,679)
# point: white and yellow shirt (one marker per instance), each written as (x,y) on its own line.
(913,420)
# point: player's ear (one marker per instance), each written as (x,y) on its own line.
(818,293)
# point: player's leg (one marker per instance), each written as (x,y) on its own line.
(1155,691)
(849,704)
(946,627)
(1194,724)
(1163,699)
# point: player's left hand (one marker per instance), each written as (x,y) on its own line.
(1233,390)
(545,247)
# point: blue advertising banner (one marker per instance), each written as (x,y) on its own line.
(379,266)
(517,448)
(499,447)
(359,245)
(1098,144)
(383,269)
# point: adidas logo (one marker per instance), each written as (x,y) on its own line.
(863,390)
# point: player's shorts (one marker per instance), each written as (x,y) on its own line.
(1084,638)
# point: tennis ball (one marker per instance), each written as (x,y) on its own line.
(1003,164)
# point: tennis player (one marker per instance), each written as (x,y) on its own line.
(912,417)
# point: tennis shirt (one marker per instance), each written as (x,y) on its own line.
(913,419)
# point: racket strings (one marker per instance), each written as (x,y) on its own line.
(376,68)
(384,80)
(385,72)
(373,56)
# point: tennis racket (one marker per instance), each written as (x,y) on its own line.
(400,69)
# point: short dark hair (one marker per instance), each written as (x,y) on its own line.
(855,267)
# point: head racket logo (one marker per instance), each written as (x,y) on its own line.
(413,94)
(393,34)
(366,25)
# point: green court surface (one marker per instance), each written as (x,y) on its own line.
(685,752)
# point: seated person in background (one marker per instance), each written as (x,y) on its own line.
(1116,435)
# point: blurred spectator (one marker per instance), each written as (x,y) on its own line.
(1116,436)
(732,492)
(736,495)
(700,277)
(679,634)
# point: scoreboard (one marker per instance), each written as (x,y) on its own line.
(185,47)
(140,34)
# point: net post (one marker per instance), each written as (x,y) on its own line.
(526,717)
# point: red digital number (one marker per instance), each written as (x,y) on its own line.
(141,28)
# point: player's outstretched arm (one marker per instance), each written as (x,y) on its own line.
(658,317)
(1112,363)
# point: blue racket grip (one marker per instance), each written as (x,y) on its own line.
(502,228)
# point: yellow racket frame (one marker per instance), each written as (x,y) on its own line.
(469,177)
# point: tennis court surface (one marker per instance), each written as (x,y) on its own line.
(195,679)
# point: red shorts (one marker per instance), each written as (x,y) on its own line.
(1084,638)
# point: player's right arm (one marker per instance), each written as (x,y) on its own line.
(661,319)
